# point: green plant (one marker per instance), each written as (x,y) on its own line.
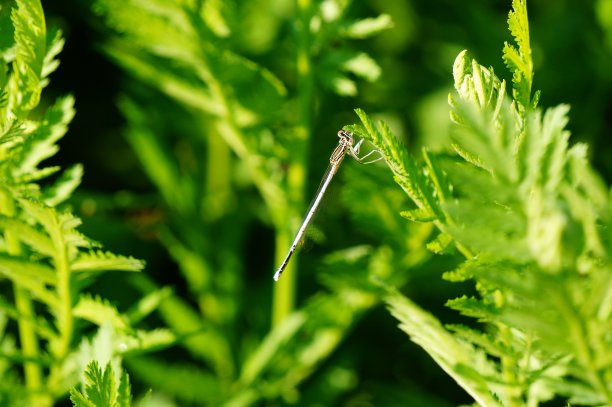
(45,262)
(531,217)
(102,388)
(205,153)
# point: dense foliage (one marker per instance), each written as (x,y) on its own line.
(485,233)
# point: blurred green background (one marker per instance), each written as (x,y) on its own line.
(375,363)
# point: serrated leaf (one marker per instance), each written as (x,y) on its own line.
(99,312)
(63,187)
(99,385)
(419,215)
(455,357)
(25,82)
(28,234)
(23,271)
(37,174)
(140,341)
(124,392)
(406,171)
(54,47)
(41,144)
(480,339)
(79,400)
(441,244)
(105,261)
(519,60)
(473,307)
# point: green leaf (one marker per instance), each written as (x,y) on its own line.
(25,84)
(20,268)
(405,169)
(63,187)
(99,312)
(458,359)
(102,389)
(100,384)
(124,392)
(42,143)
(419,215)
(368,27)
(96,261)
(28,234)
(519,60)
(79,400)
(441,244)
(54,47)
(33,277)
(140,341)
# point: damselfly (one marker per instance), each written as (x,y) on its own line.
(345,146)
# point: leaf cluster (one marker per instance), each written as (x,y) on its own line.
(102,389)
(45,262)
(531,216)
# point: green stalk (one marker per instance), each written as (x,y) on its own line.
(65,319)
(216,200)
(23,303)
(284,291)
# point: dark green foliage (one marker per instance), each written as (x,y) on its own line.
(230,107)
(230,111)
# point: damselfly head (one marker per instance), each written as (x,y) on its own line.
(345,137)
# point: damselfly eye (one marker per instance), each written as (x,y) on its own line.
(345,137)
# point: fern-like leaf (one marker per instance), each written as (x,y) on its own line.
(99,312)
(405,168)
(42,142)
(519,60)
(458,359)
(103,261)
(102,389)
(30,36)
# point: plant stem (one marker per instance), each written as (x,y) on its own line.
(65,319)
(284,290)
(23,303)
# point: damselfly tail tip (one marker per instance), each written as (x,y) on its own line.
(277,275)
